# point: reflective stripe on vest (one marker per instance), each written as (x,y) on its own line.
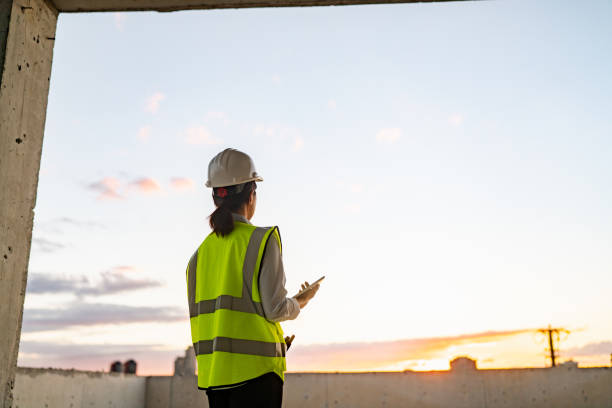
(256,348)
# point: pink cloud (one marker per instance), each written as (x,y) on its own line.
(182,183)
(389,135)
(153,359)
(456,119)
(153,102)
(108,188)
(146,185)
(198,135)
(298,143)
(365,356)
(124,268)
(144,133)
(119,20)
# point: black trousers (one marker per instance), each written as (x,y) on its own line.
(261,392)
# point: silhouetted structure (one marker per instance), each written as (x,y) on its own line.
(185,365)
(116,367)
(568,364)
(553,334)
(463,364)
(129,367)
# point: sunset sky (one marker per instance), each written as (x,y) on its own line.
(447,167)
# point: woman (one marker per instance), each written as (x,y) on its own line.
(237,296)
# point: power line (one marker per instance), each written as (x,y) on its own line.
(554,336)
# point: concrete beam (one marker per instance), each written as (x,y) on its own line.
(174,5)
(27,36)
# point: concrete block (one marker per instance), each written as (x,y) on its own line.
(28,34)
(49,388)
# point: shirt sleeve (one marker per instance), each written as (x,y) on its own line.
(276,305)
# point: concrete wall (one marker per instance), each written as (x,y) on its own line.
(484,388)
(176,391)
(537,388)
(172,5)
(48,388)
(27,36)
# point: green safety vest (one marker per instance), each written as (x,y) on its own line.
(232,338)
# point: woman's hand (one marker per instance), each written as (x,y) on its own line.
(303,298)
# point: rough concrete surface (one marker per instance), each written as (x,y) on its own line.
(173,5)
(176,391)
(23,104)
(534,388)
(36,388)
(551,388)
(5,18)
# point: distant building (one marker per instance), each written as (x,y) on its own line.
(463,364)
(568,364)
(116,367)
(185,365)
(129,367)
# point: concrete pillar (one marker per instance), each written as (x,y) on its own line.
(27,36)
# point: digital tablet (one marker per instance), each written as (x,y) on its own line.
(311,285)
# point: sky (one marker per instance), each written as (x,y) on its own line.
(447,167)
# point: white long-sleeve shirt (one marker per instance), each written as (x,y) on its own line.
(276,305)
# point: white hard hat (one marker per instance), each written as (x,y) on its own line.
(231,167)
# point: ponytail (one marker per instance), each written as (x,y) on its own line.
(221,221)
(228,200)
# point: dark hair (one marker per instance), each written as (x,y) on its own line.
(228,200)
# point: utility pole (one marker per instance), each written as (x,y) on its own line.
(553,334)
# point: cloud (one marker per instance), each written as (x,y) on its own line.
(298,143)
(389,135)
(111,188)
(119,20)
(152,359)
(46,245)
(356,188)
(262,130)
(198,135)
(592,349)
(331,104)
(182,183)
(41,283)
(276,79)
(125,268)
(144,133)
(153,102)
(352,208)
(95,314)
(364,356)
(146,185)
(63,349)
(455,119)
(108,188)
(113,281)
